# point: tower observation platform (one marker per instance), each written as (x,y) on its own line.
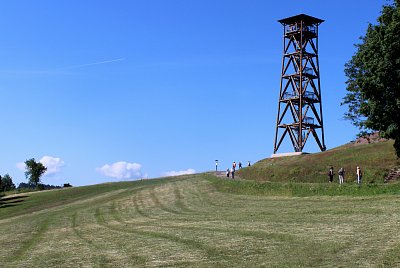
(300,103)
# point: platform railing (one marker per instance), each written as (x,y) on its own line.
(296,28)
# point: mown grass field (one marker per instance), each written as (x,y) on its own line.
(203,221)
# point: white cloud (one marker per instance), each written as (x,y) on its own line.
(122,170)
(21,166)
(53,164)
(178,173)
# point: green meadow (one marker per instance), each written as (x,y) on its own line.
(203,221)
(197,221)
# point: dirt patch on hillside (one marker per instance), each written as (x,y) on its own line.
(372,138)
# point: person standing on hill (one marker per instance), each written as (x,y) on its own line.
(240,165)
(330,174)
(227,172)
(234,166)
(248,163)
(233,173)
(341,175)
(359,175)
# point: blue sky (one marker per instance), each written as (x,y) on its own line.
(115,90)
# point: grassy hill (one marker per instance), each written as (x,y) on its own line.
(204,221)
(375,159)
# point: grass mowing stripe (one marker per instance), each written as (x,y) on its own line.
(99,257)
(138,209)
(113,211)
(232,232)
(201,199)
(79,235)
(304,244)
(391,258)
(211,252)
(179,200)
(161,205)
(39,201)
(279,237)
(34,240)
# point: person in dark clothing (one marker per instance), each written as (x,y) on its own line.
(240,165)
(330,174)
(341,175)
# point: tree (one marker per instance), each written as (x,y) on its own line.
(34,170)
(6,183)
(373,74)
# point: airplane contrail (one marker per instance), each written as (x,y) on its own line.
(90,64)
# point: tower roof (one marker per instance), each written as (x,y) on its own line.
(301,17)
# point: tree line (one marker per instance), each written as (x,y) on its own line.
(33,173)
(373,78)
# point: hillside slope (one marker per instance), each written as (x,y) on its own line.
(190,221)
(375,159)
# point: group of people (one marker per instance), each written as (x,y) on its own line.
(341,174)
(231,172)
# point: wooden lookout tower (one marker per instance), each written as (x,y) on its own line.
(300,103)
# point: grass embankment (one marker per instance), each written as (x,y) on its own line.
(301,189)
(374,159)
(192,221)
